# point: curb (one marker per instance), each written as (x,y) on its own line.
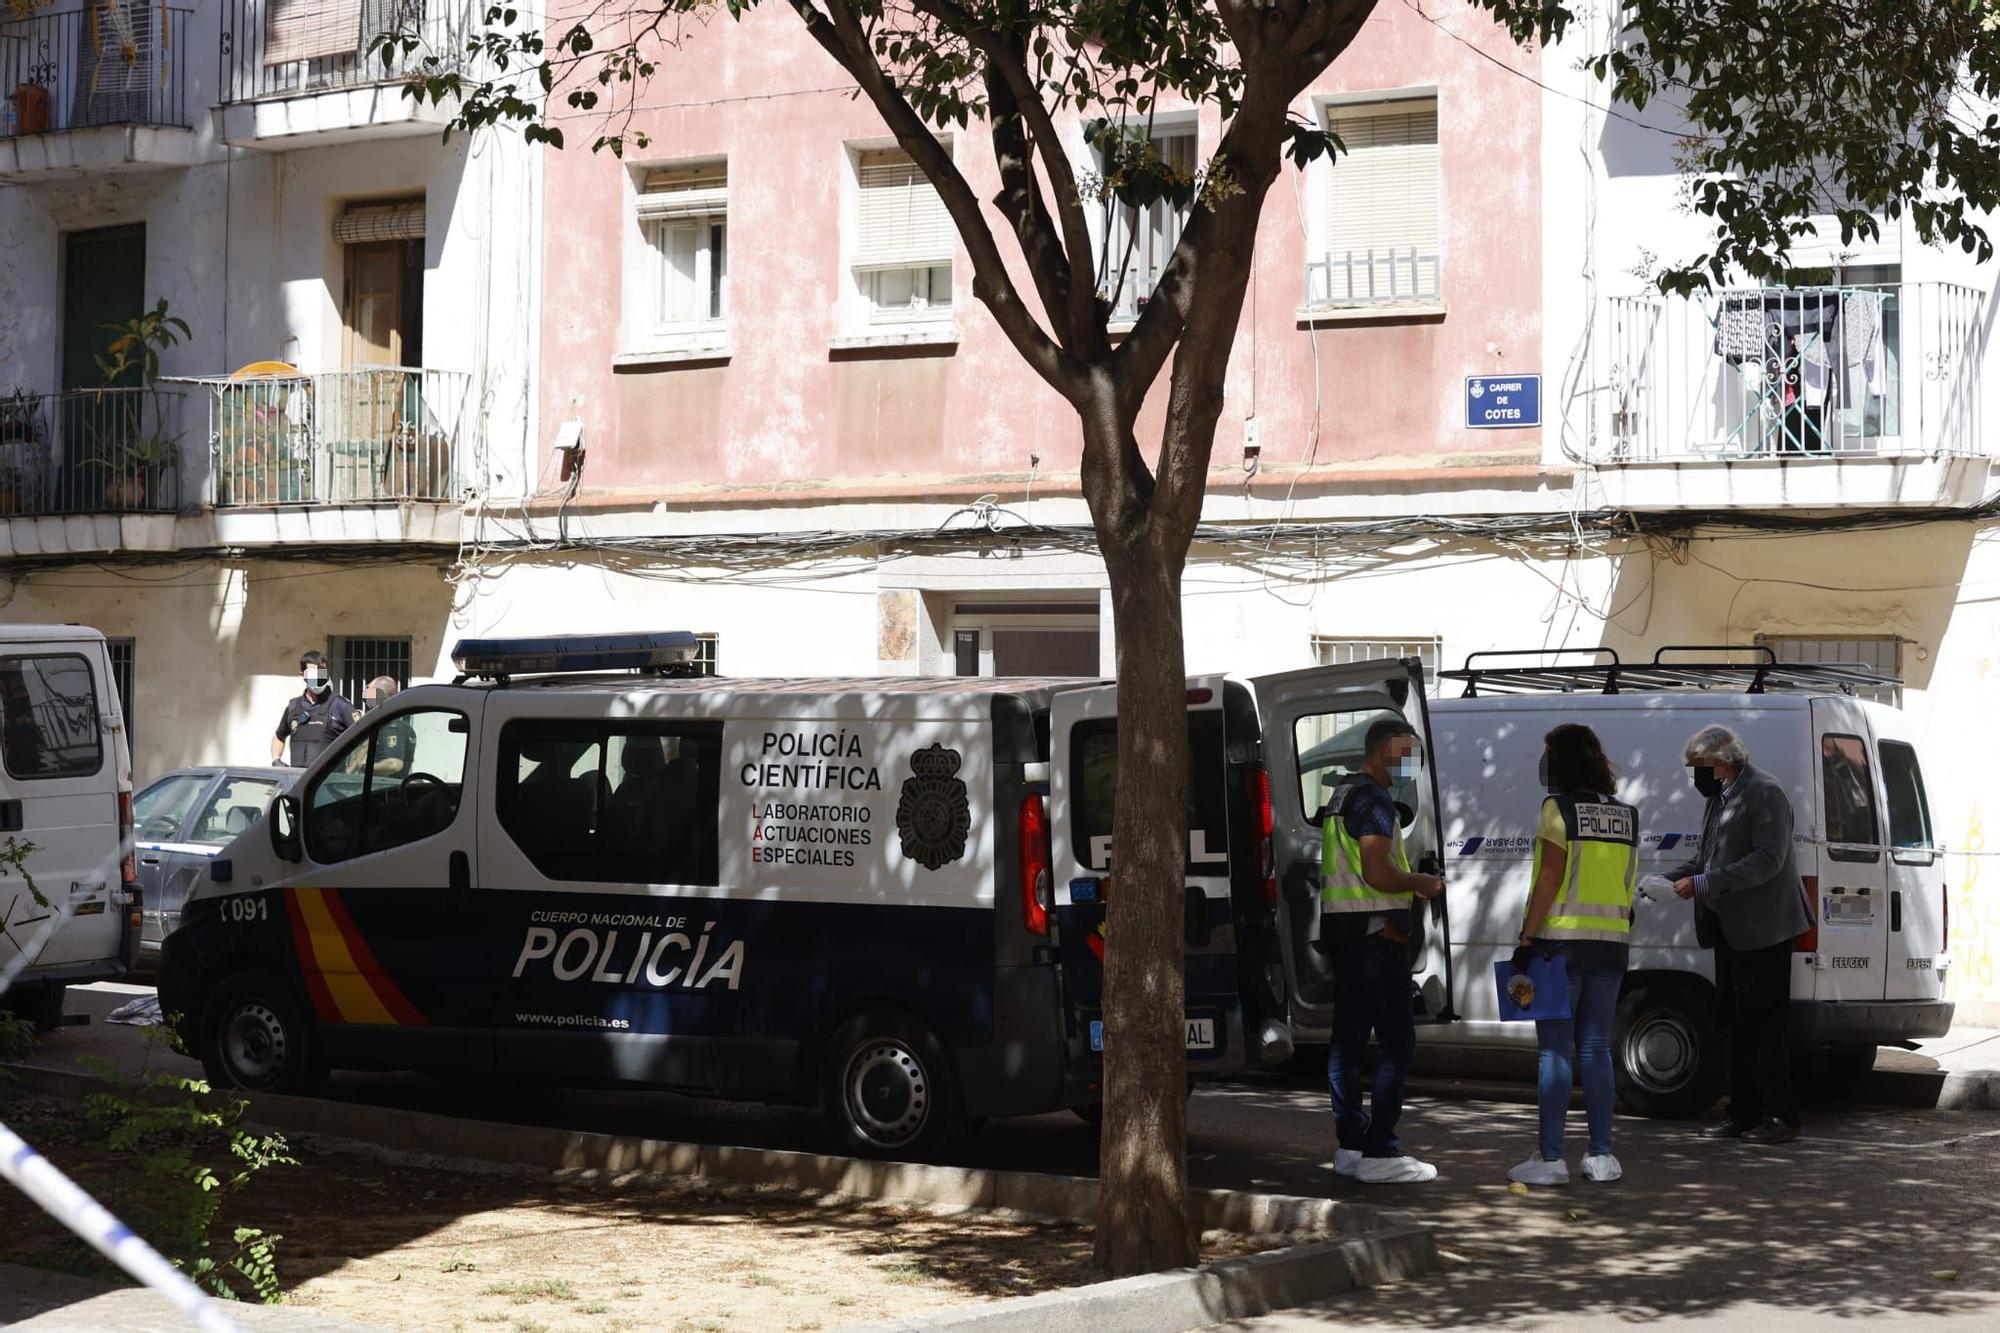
(1070,1198)
(1193,1298)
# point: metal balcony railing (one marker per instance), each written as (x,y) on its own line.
(338,437)
(91,451)
(120,64)
(1374,277)
(1886,369)
(315,46)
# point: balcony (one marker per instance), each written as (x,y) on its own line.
(1801,397)
(91,451)
(1374,284)
(344,437)
(305,74)
(94,90)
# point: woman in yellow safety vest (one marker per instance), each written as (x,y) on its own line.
(1586,855)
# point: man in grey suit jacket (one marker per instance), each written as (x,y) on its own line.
(1749,906)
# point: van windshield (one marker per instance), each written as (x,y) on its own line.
(48,717)
(1094,761)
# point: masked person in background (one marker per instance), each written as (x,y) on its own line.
(1586,861)
(1367,901)
(312,719)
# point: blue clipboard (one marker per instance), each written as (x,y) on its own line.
(1551,981)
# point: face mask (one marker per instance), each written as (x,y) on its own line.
(1706,782)
(1542,773)
(316,682)
(1404,769)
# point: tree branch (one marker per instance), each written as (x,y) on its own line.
(1020,202)
(840,35)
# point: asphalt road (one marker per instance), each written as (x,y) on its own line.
(1879,1214)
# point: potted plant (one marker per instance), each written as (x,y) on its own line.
(13,498)
(20,415)
(135,453)
(139,468)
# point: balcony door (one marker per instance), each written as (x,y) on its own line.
(373,401)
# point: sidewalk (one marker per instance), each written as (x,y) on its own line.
(31,1298)
(1958,1072)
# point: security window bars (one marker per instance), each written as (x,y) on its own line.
(1382,228)
(356,661)
(704,654)
(124,679)
(684,214)
(1330,651)
(1138,242)
(1884,655)
(904,240)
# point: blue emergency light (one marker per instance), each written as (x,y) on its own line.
(661,650)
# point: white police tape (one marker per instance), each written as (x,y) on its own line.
(60,1197)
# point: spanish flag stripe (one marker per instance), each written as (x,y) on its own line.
(322,998)
(352,994)
(386,990)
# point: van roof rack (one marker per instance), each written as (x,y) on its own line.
(661,652)
(1512,672)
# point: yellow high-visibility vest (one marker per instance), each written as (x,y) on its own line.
(1601,841)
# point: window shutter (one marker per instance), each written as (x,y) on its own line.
(684,192)
(361,223)
(902,222)
(312,30)
(1385,186)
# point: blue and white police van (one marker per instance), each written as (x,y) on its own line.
(576,863)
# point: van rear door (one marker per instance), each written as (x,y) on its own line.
(59,740)
(1083,755)
(1853,907)
(1915,939)
(1314,724)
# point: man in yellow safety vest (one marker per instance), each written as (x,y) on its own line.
(1367,895)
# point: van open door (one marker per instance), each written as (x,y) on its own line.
(1852,910)
(1314,725)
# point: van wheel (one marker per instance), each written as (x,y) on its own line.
(886,1088)
(257,1039)
(43,1006)
(1666,1050)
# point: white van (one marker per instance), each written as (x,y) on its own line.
(1871,971)
(66,793)
(886,896)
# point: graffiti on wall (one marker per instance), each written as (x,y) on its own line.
(1975,923)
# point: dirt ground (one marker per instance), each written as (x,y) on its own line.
(417,1247)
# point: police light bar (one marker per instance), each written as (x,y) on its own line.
(494,658)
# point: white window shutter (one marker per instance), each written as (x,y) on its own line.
(312,30)
(901,223)
(685,192)
(1385,186)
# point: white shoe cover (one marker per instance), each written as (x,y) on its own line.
(1394,1171)
(1535,1171)
(1346,1161)
(1601,1167)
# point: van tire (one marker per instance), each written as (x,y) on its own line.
(1666,1049)
(887,1090)
(43,1006)
(255,1037)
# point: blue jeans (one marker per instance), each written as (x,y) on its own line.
(1371,992)
(1593,1000)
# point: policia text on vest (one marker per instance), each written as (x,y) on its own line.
(1600,871)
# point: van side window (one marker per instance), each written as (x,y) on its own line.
(613,802)
(394,784)
(1847,789)
(48,717)
(1094,761)
(1333,746)
(1909,808)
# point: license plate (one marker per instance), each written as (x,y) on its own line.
(1200,1035)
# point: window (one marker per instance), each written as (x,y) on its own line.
(684,216)
(613,802)
(159,811)
(705,646)
(1002,638)
(1847,790)
(124,680)
(1138,242)
(904,240)
(1094,762)
(356,661)
(397,783)
(1329,651)
(1884,655)
(1331,748)
(48,717)
(1909,808)
(1382,225)
(237,804)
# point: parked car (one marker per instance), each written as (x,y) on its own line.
(183,819)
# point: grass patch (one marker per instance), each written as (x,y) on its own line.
(595,1307)
(537,1289)
(906,1271)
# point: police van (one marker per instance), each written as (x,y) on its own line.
(1870,971)
(886,896)
(66,796)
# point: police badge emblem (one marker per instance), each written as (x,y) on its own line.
(933,817)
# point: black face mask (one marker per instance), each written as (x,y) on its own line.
(1707,783)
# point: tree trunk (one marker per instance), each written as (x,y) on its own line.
(1143,1218)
